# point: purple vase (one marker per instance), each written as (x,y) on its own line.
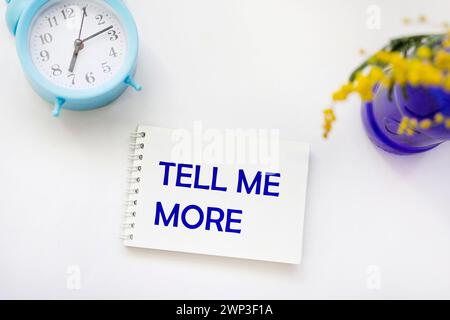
(383,116)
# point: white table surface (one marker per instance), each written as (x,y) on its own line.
(377,225)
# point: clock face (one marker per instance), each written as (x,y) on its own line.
(77,44)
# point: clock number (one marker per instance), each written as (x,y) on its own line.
(113,53)
(106,68)
(45,56)
(46,38)
(72,75)
(53,22)
(68,13)
(113,35)
(90,77)
(99,19)
(56,68)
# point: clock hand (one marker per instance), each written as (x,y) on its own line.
(78,47)
(78,44)
(82,22)
(97,33)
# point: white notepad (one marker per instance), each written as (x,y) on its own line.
(224,194)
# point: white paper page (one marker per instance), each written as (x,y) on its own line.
(270,226)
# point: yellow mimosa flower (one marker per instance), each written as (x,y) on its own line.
(442,59)
(364,87)
(424,52)
(330,118)
(426,124)
(438,118)
(446,43)
(343,92)
(413,123)
(423,18)
(395,66)
(406,21)
(382,56)
(403,126)
(409,132)
(376,74)
(447,84)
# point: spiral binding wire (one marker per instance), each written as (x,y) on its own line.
(135,157)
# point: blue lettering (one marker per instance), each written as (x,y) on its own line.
(198,219)
(216,221)
(269,184)
(256,183)
(230,220)
(161,215)
(181,174)
(200,215)
(214,181)
(197,184)
(167,166)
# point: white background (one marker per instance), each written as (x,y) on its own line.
(231,64)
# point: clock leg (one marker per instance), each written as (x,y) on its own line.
(129,81)
(58,106)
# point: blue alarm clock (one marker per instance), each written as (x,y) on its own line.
(77,54)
